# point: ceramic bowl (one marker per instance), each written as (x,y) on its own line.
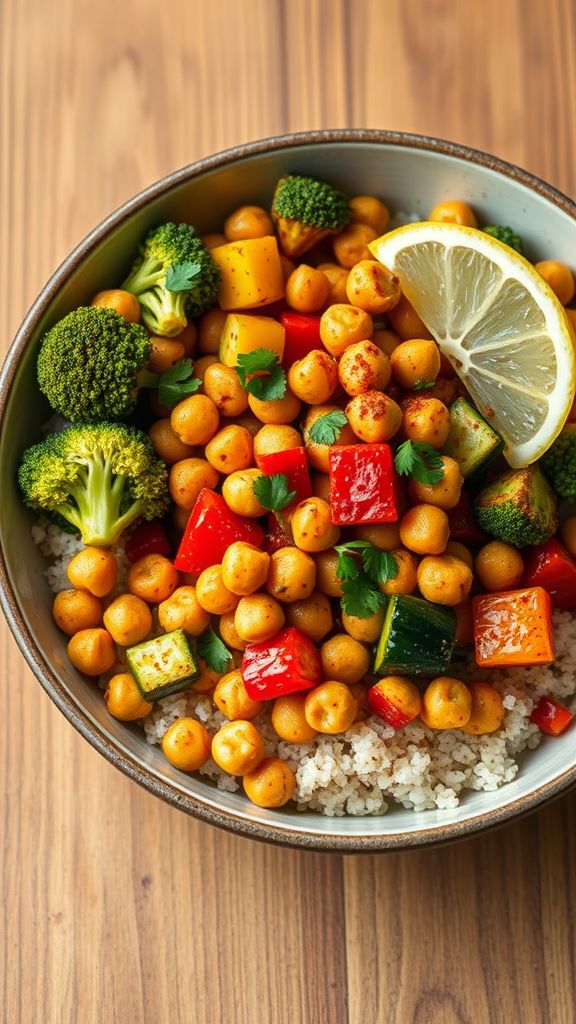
(412,173)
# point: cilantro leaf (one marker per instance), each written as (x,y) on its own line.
(273,491)
(421,385)
(326,429)
(214,652)
(261,360)
(380,566)
(177,382)
(360,598)
(181,276)
(347,568)
(420,461)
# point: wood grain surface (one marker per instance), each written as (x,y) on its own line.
(115,908)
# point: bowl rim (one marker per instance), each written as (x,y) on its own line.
(193,804)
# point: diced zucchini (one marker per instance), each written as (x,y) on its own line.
(472,442)
(163,665)
(417,638)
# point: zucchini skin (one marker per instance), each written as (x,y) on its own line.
(418,637)
(472,442)
(175,676)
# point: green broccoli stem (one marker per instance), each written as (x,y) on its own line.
(98,495)
(148,274)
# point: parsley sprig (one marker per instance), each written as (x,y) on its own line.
(214,651)
(273,492)
(177,382)
(420,461)
(181,276)
(267,388)
(326,429)
(360,594)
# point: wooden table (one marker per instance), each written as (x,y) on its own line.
(114,907)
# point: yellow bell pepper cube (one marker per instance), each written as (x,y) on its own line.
(251,273)
(243,333)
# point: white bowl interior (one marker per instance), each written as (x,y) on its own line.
(409,180)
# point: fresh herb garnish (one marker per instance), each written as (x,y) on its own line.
(273,492)
(326,429)
(360,598)
(267,388)
(181,276)
(214,652)
(360,594)
(420,461)
(177,382)
(421,385)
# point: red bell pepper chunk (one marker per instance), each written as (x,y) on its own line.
(363,484)
(210,530)
(147,539)
(551,717)
(463,525)
(294,464)
(513,628)
(276,535)
(287,663)
(381,702)
(301,337)
(550,566)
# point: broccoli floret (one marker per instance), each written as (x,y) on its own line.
(518,507)
(559,462)
(98,477)
(173,276)
(305,211)
(506,235)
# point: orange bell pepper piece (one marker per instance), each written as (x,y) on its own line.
(513,628)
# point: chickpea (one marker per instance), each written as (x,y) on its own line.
(363,367)
(238,747)
(318,454)
(314,378)
(202,364)
(330,708)
(327,579)
(210,331)
(229,634)
(369,210)
(122,302)
(238,493)
(307,289)
(213,239)
(291,576)
(446,704)
(272,438)
(372,287)
(186,744)
(244,568)
(271,784)
(397,695)
(289,720)
(166,352)
(405,322)
(167,444)
(568,534)
(407,577)
(279,410)
(124,700)
(180,517)
(321,486)
(248,222)
(444,579)
(374,417)
(93,569)
(92,651)
(312,526)
(153,578)
(415,361)
(426,421)
(313,616)
(453,211)
(74,610)
(351,245)
(187,478)
(344,659)
(458,550)
(182,610)
(425,530)
(487,710)
(360,693)
(499,566)
(222,386)
(288,266)
(444,494)
(195,420)
(206,681)
(386,341)
(187,338)
(368,630)
(559,277)
(445,389)
(258,617)
(337,277)
(342,325)
(230,449)
(231,698)
(384,536)
(213,596)
(128,620)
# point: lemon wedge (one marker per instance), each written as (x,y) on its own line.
(497,321)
